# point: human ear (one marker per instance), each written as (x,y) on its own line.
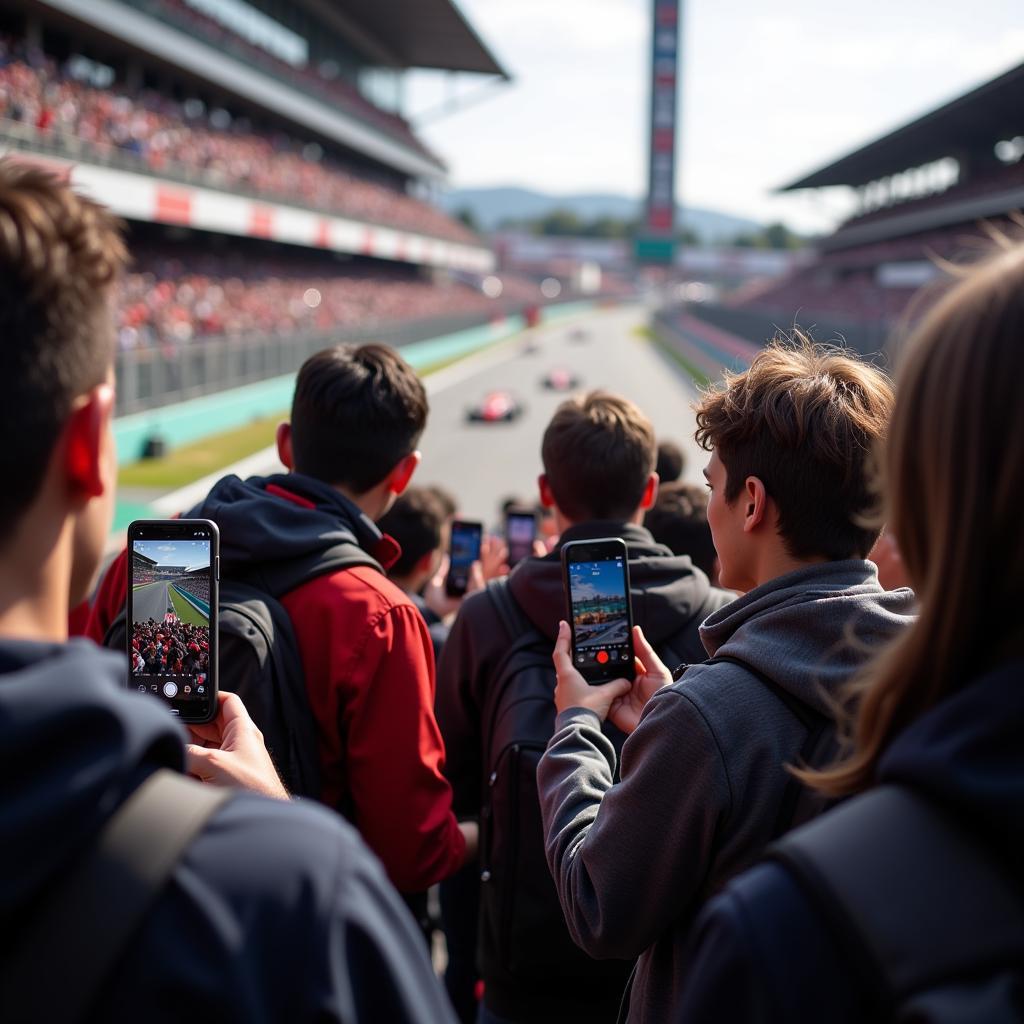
(402,473)
(85,435)
(284,446)
(756,499)
(547,499)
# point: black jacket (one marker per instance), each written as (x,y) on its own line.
(670,599)
(276,911)
(762,951)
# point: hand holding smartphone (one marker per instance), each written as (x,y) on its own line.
(466,539)
(173,572)
(600,611)
(520,533)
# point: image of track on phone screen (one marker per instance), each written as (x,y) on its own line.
(600,612)
(170,642)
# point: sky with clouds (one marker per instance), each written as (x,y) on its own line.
(769,91)
(189,553)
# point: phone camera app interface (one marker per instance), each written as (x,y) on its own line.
(170,652)
(600,612)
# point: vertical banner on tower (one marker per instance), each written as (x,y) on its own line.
(656,240)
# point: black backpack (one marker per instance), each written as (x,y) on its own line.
(927,918)
(259,655)
(523,937)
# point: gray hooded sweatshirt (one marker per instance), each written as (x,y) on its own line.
(702,777)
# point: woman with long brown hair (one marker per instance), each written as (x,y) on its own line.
(906,900)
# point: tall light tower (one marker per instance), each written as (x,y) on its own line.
(655,242)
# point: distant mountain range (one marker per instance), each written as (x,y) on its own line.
(491,206)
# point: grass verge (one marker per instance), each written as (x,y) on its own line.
(186,612)
(191,461)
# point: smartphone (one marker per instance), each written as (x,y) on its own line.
(463,552)
(173,572)
(520,533)
(600,613)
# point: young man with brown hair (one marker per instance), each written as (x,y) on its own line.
(261,909)
(366,653)
(704,787)
(494,704)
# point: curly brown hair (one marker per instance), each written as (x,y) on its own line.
(804,419)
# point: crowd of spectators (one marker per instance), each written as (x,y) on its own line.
(180,305)
(195,583)
(336,89)
(170,646)
(163,135)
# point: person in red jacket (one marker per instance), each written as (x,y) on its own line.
(350,448)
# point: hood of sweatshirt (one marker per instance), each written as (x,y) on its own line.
(967,753)
(667,590)
(808,630)
(73,743)
(287,519)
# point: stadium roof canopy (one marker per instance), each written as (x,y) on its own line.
(971,123)
(419,33)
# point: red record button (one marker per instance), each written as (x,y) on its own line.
(602,657)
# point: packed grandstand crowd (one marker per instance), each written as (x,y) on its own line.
(171,300)
(41,95)
(170,646)
(195,583)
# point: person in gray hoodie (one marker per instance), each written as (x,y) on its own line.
(532,971)
(703,781)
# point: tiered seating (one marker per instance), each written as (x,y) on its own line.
(166,137)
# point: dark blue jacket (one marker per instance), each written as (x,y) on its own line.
(762,952)
(276,912)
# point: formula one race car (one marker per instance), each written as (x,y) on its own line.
(560,379)
(495,407)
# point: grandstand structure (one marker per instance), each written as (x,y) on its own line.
(259,152)
(926,193)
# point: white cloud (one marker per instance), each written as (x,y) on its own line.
(768,93)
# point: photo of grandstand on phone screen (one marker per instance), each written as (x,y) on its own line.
(170,582)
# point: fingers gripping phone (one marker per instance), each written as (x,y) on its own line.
(173,572)
(520,533)
(600,612)
(464,551)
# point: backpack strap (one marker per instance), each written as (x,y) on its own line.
(513,618)
(281,576)
(89,916)
(908,893)
(815,725)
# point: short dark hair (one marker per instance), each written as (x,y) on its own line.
(416,521)
(805,419)
(598,453)
(445,497)
(357,412)
(670,463)
(60,255)
(679,520)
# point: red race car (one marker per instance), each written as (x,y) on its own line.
(560,379)
(496,407)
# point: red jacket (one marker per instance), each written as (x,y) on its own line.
(369,669)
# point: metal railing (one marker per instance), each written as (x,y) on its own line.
(151,377)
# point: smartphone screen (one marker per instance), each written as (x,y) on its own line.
(520,531)
(464,551)
(597,583)
(172,608)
